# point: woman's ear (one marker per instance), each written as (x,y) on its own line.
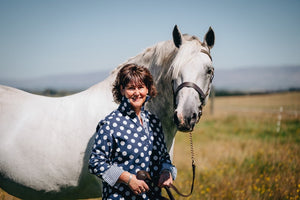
(122,90)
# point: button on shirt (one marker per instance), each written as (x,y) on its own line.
(123,144)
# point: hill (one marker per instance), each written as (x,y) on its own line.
(242,79)
(258,78)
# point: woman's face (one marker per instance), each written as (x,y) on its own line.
(136,93)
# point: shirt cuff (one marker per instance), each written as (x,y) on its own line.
(171,168)
(112,175)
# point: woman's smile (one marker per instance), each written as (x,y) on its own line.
(136,93)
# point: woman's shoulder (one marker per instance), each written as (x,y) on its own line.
(152,117)
(107,122)
(109,118)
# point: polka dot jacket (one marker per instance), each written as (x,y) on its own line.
(123,144)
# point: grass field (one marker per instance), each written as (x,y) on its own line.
(241,152)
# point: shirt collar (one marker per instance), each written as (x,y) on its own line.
(125,107)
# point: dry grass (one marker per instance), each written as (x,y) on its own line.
(239,153)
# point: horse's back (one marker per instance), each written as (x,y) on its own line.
(12,104)
(47,139)
(18,107)
(42,138)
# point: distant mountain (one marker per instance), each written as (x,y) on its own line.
(258,78)
(59,82)
(242,79)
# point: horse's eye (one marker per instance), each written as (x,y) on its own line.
(210,71)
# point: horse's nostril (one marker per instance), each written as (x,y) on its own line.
(194,116)
(193,120)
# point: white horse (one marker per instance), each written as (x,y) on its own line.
(45,142)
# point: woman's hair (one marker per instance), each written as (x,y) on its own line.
(135,73)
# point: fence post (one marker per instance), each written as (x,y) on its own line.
(279,119)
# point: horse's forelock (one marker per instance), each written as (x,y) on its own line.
(188,37)
(186,53)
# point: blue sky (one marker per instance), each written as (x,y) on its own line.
(39,38)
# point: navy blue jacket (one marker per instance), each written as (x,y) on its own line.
(123,144)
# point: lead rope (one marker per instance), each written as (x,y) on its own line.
(192,149)
(194,170)
(143,175)
(193,162)
(193,167)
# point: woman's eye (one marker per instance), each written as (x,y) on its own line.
(131,88)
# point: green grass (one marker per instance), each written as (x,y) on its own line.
(238,152)
(242,156)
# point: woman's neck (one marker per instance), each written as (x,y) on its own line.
(138,114)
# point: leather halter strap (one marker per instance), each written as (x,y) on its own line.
(202,95)
(192,85)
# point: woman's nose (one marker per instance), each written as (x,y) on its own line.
(136,91)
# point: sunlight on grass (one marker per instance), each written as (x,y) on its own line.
(238,152)
(240,155)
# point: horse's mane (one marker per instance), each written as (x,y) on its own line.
(160,58)
(155,54)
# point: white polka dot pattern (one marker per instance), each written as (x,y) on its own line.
(122,143)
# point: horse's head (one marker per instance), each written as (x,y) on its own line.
(192,74)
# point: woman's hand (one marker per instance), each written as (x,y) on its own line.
(165,179)
(138,186)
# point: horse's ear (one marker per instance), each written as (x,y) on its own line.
(209,38)
(177,37)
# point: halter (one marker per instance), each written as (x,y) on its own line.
(202,95)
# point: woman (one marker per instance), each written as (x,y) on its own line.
(131,139)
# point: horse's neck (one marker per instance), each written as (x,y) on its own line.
(158,60)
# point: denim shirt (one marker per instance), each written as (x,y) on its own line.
(123,144)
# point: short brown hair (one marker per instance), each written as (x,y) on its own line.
(135,73)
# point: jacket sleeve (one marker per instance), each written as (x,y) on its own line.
(100,159)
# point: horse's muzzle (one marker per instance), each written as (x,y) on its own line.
(186,123)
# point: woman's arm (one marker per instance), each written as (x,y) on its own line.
(100,162)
